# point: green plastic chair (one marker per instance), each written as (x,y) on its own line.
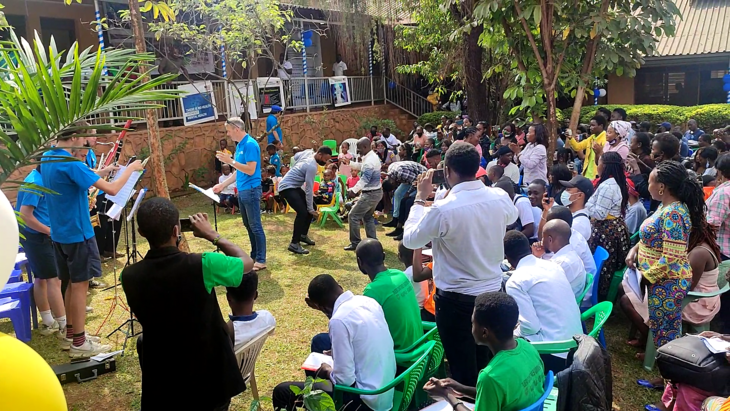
(554,347)
(331,144)
(435,368)
(343,178)
(318,178)
(405,384)
(601,311)
(326,212)
(588,286)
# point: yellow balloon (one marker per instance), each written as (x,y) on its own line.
(27,382)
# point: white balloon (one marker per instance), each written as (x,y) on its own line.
(602,92)
(9,243)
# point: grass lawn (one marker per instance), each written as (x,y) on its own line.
(282,289)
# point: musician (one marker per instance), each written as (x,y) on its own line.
(107,232)
(76,251)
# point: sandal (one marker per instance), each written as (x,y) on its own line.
(635,343)
(259,266)
(647,384)
(651,407)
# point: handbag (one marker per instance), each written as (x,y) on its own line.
(687,360)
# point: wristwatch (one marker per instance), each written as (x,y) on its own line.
(233,162)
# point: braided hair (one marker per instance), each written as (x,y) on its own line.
(688,191)
(613,167)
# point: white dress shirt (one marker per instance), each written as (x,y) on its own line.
(511,171)
(282,71)
(582,223)
(572,265)
(339,68)
(362,348)
(369,168)
(421,289)
(548,311)
(580,245)
(392,141)
(466,229)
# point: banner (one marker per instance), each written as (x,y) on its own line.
(198,102)
(236,104)
(340,91)
(271,92)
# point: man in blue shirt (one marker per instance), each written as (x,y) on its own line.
(693,131)
(273,127)
(247,163)
(76,251)
(38,249)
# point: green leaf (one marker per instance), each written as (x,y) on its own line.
(537,16)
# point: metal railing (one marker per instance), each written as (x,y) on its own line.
(405,98)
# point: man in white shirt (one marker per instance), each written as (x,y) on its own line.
(362,348)
(556,240)
(285,68)
(548,311)
(391,140)
(466,229)
(577,192)
(371,193)
(339,67)
(504,159)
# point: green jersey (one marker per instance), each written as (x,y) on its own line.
(394,292)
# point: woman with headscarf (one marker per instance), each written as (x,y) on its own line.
(615,140)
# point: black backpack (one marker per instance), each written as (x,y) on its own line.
(687,360)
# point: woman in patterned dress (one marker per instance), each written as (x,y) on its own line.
(607,207)
(661,255)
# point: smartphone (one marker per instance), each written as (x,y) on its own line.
(438,177)
(186,225)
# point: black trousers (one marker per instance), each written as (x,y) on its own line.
(453,320)
(405,209)
(108,232)
(285,399)
(297,200)
(553,363)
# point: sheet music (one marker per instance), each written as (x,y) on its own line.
(137,202)
(315,360)
(115,211)
(208,193)
(127,191)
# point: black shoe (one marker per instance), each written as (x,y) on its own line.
(395,233)
(297,249)
(306,240)
(392,223)
(399,237)
(351,247)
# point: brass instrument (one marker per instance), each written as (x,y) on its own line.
(93,193)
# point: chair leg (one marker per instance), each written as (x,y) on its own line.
(322,219)
(337,220)
(254,387)
(650,353)
(20,325)
(602,338)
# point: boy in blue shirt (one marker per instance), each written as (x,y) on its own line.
(274,158)
(38,249)
(76,251)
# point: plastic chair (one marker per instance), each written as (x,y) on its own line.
(23,292)
(404,384)
(554,347)
(650,351)
(601,311)
(588,286)
(331,212)
(21,262)
(435,367)
(599,257)
(549,382)
(16,276)
(331,144)
(246,357)
(11,308)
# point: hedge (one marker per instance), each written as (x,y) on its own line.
(435,117)
(709,116)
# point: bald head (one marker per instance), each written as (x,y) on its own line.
(364,146)
(370,257)
(555,235)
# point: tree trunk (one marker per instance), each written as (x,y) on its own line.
(577,105)
(475,89)
(552,122)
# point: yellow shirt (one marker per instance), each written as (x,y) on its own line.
(589,161)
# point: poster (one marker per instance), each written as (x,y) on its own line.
(198,102)
(235,103)
(271,92)
(340,91)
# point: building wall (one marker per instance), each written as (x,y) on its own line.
(82,15)
(620,89)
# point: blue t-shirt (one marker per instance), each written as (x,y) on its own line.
(35,199)
(248,150)
(275,161)
(272,124)
(91,158)
(69,208)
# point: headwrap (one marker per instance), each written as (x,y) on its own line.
(632,188)
(622,128)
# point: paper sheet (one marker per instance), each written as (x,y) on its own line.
(137,202)
(105,356)
(208,193)
(115,211)
(716,345)
(633,278)
(127,191)
(315,360)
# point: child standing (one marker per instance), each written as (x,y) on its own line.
(274,159)
(245,323)
(353,179)
(344,159)
(227,195)
(267,190)
(326,189)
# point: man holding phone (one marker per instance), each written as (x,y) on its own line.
(467,252)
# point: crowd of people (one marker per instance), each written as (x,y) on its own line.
(497,249)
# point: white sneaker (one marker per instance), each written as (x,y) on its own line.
(66,343)
(88,349)
(46,330)
(89,309)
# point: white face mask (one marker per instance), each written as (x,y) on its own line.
(565,198)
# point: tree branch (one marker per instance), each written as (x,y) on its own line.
(508,35)
(530,37)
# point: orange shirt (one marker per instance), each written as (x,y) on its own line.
(429,304)
(708,191)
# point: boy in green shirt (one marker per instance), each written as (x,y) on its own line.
(514,378)
(393,291)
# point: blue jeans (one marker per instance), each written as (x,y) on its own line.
(400,192)
(249,202)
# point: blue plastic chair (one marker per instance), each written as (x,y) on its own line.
(549,382)
(22,262)
(23,292)
(16,276)
(11,308)
(599,257)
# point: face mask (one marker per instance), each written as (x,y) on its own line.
(381,150)
(565,198)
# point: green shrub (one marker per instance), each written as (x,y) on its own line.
(380,123)
(709,116)
(435,117)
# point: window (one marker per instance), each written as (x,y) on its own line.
(681,85)
(17,23)
(63,32)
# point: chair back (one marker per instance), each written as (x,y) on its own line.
(413,375)
(332,144)
(554,347)
(246,356)
(549,382)
(696,295)
(601,311)
(599,257)
(403,356)
(588,286)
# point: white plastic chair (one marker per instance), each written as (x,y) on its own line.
(352,146)
(246,357)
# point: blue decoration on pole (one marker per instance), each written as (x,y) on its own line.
(304,54)
(370,59)
(308,42)
(596,92)
(100,33)
(307,34)
(223,57)
(726,86)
